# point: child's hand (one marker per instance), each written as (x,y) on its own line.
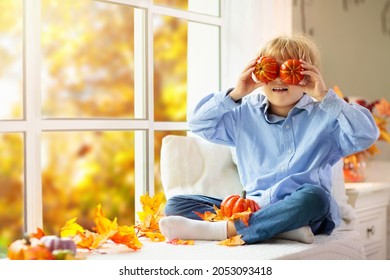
(245,83)
(315,85)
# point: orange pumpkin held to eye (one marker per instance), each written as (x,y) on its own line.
(266,70)
(234,203)
(290,72)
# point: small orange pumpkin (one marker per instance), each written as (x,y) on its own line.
(24,249)
(234,203)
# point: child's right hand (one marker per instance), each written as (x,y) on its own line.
(245,83)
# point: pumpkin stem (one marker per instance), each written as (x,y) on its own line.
(243,195)
(26,237)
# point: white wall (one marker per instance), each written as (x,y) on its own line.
(355,46)
(355,49)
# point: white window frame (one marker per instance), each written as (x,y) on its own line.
(32,125)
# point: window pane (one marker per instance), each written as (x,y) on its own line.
(158,137)
(83,169)
(11,188)
(88,59)
(185,65)
(208,7)
(170,68)
(11,59)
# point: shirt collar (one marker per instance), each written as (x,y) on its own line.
(305,103)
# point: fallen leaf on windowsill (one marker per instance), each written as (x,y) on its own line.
(232,241)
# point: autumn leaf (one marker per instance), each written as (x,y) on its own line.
(71,228)
(212,217)
(84,239)
(126,235)
(155,236)
(153,204)
(150,216)
(232,241)
(104,225)
(218,216)
(38,235)
(243,216)
(207,216)
(104,230)
(181,242)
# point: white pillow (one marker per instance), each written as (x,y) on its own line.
(192,165)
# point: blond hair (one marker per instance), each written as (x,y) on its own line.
(297,46)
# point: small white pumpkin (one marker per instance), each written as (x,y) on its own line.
(53,242)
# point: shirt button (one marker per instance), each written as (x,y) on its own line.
(282,168)
(290,151)
(287,126)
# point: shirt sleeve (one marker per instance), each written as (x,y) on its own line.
(352,125)
(213,118)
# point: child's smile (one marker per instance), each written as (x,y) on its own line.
(279,89)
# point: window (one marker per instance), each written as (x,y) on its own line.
(89,89)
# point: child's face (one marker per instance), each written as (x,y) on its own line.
(282,97)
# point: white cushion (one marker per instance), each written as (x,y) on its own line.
(192,165)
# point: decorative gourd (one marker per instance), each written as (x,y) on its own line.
(23,249)
(233,204)
(290,72)
(53,242)
(266,70)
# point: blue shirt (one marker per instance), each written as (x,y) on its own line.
(276,155)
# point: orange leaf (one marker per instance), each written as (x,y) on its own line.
(218,216)
(207,216)
(212,217)
(126,235)
(181,242)
(84,239)
(243,216)
(232,241)
(39,234)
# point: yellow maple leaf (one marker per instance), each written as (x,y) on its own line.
(103,224)
(71,228)
(155,236)
(150,216)
(232,241)
(153,204)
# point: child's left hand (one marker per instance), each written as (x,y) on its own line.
(315,85)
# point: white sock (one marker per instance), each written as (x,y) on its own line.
(173,227)
(303,234)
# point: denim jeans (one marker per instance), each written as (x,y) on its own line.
(308,205)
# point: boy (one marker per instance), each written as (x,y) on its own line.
(286,139)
